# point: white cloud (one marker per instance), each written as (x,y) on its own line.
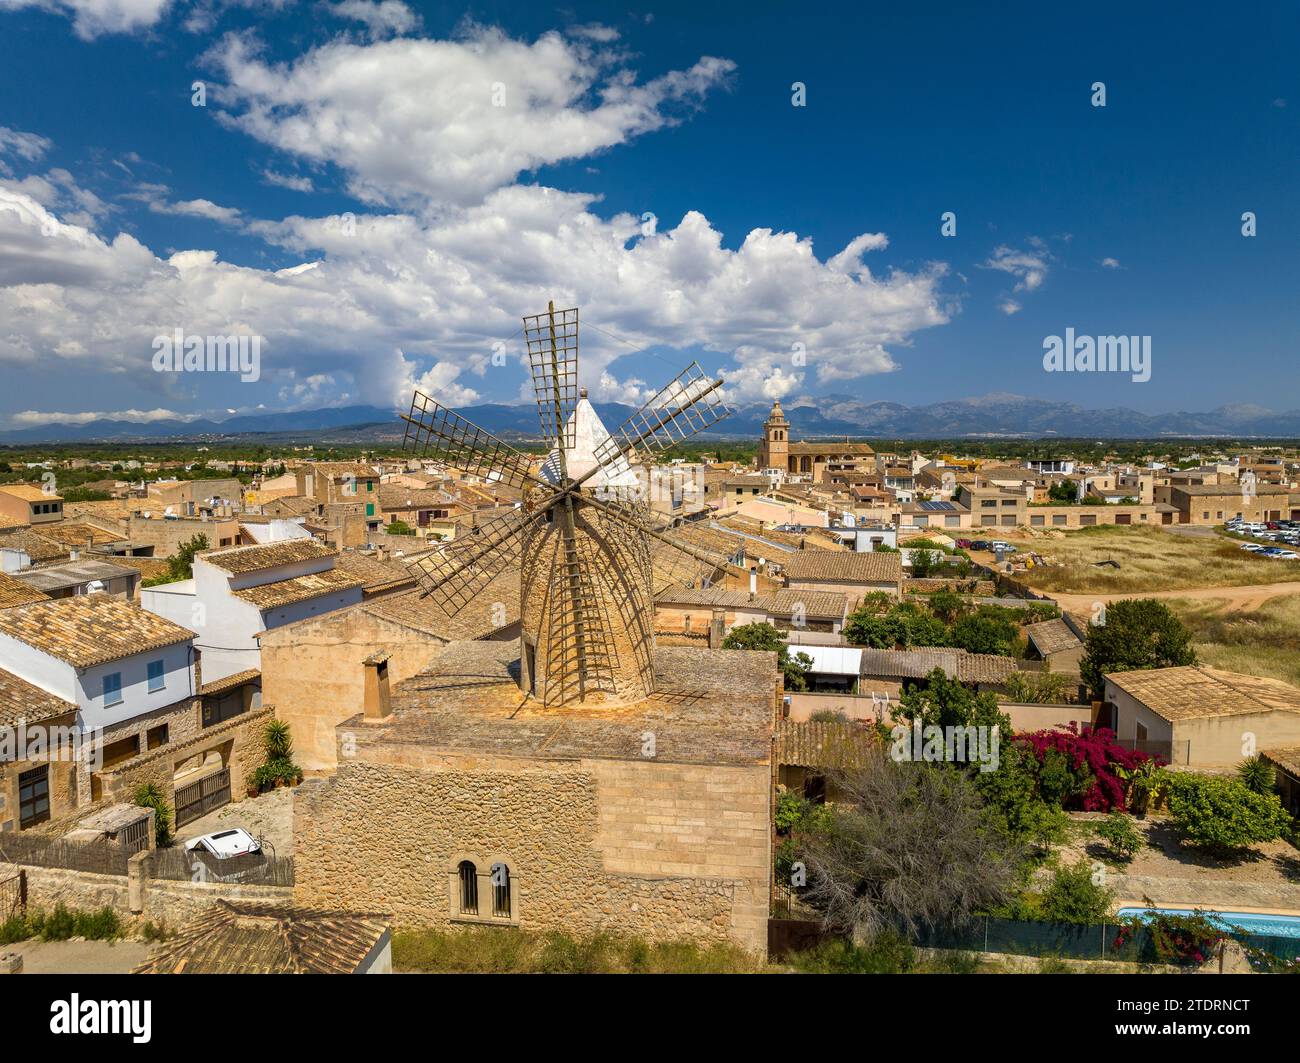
(93,18)
(37,418)
(155,197)
(383,18)
(1111,263)
(28,146)
(414,122)
(1030,268)
(289,181)
(1009,307)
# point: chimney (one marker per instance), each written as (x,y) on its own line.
(378,706)
(717,628)
(753,583)
(74,554)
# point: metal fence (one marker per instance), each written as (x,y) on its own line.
(1090,941)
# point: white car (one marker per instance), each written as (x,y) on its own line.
(225,844)
(1286,555)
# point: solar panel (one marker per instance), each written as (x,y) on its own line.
(937,507)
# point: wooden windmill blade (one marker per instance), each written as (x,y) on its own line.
(433,431)
(552,341)
(688,404)
(673,560)
(458,573)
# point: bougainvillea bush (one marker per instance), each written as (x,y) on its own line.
(1186,940)
(1079,768)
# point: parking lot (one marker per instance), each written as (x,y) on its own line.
(1277,540)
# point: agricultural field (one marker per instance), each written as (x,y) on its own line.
(1149,560)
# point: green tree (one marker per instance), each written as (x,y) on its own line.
(181,564)
(947,606)
(1119,834)
(945,702)
(1075,896)
(794,667)
(986,631)
(1136,633)
(1063,491)
(924,563)
(1223,815)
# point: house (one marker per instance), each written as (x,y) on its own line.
(1056,642)
(86,575)
(894,671)
(125,675)
(1286,766)
(686,613)
(1217,503)
(25,505)
(849,573)
(346,494)
(236,594)
(239,937)
(193,498)
(1202,716)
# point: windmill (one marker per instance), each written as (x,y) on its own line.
(591,558)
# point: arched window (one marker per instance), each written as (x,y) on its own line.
(468,874)
(500,891)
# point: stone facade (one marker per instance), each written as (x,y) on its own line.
(662,851)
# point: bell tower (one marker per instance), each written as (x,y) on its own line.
(775,451)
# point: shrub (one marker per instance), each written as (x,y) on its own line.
(1257,775)
(886,953)
(1075,897)
(1138,633)
(1186,940)
(1223,816)
(1083,767)
(1118,832)
(147,795)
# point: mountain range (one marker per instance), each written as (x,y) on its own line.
(988,416)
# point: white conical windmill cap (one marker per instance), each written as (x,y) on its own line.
(588,433)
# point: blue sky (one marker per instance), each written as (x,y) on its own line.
(423,219)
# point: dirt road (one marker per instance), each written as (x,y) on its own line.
(1235,599)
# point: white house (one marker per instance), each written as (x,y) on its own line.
(111,662)
(238,593)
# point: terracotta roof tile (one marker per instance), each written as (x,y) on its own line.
(298,589)
(90,629)
(242,559)
(1195,692)
(20,700)
(16,592)
(870,567)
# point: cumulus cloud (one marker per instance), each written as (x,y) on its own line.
(1111,263)
(382,18)
(94,18)
(420,122)
(407,296)
(36,418)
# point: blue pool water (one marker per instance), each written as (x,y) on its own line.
(1287,926)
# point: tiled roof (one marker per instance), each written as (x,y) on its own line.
(869,567)
(78,534)
(218,686)
(984,667)
(480,618)
(20,700)
(295,504)
(1194,692)
(298,589)
(28,493)
(1052,636)
(90,629)
(782,603)
(397,497)
(241,559)
(821,745)
(909,664)
(371,571)
(339,470)
(243,938)
(37,546)
(16,592)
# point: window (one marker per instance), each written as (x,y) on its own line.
(500,891)
(370,485)
(34,797)
(157,736)
(468,875)
(155,676)
(113,689)
(370,509)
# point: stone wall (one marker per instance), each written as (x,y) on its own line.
(165,901)
(662,851)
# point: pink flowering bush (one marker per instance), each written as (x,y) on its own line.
(1079,768)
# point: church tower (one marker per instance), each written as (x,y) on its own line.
(775,451)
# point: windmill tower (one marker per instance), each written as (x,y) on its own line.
(590,557)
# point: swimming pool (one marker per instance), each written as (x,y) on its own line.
(1286,926)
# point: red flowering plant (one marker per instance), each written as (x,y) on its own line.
(1082,768)
(1186,940)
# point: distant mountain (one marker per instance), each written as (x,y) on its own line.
(829,416)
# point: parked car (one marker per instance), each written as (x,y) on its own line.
(963,544)
(1005,547)
(225,844)
(979,544)
(1287,555)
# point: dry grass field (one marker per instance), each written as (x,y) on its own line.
(1263,642)
(1149,560)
